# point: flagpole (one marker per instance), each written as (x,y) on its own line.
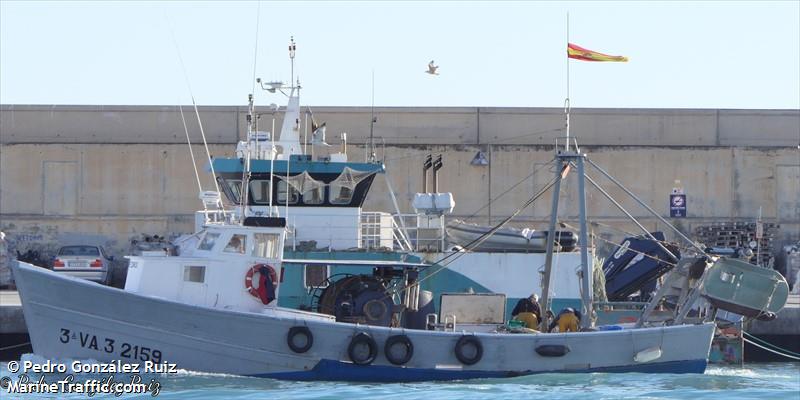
(566,102)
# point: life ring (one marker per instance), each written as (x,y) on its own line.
(403,341)
(358,357)
(469,340)
(267,282)
(299,330)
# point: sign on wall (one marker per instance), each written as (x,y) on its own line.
(677,203)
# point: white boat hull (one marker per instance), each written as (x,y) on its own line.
(70,318)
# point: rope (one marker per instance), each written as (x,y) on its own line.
(631,234)
(764,342)
(770,350)
(14,346)
(475,243)
(511,188)
(593,235)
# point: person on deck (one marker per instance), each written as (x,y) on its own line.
(528,311)
(568,320)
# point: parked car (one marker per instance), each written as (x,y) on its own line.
(87,262)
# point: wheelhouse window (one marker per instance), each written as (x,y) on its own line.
(266,245)
(234,189)
(314,196)
(341,194)
(194,273)
(208,242)
(282,186)
(237,244)
(260,191)
(316,275)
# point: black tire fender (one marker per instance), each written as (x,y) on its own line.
(467,340)
(299,330)
(398,340)
(366,339)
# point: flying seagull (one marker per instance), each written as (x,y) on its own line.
(432,68)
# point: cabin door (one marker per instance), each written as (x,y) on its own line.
(193,286)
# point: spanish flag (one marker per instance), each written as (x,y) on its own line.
(579,53)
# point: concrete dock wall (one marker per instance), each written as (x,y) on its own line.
(411,125)
(113,173)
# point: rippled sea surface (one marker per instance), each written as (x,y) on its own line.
(754,381)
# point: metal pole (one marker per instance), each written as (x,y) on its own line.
(372,122)
(566,102)
(404,232)
(700,249)
(548,263)
(586,268)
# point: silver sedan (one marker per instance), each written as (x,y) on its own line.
(87,262)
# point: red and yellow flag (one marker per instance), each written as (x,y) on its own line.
(579,53)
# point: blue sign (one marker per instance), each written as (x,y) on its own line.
(677,205)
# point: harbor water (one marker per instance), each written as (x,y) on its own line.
(754,381)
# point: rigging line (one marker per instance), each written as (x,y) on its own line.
(764,342)
(619,206)
(480,239)
(475,243)
(251,126)
(595,236)
(194,103)
(631,234)
(511,188)
(770,350)
(191,153)
(648,208)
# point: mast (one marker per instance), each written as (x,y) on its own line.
(250,137)
(565,160)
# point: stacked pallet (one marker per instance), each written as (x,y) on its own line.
(737,235)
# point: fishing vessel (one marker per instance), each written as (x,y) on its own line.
(214,301)
(292,172)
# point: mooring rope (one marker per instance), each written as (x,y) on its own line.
(765,343)
(14,346)
(770,350)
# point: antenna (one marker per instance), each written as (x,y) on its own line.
(292,49)
(244,193)
(255,50)
(273,107)
(567,107)
(196,112)
(372,121)
(191,153)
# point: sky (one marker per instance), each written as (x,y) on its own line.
(683,54)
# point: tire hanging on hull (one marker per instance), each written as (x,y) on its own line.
(303,331)
(398,340)
(356,356)
(464,342)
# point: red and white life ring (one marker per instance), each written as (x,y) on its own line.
(267,282)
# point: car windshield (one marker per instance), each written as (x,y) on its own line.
(79,251)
